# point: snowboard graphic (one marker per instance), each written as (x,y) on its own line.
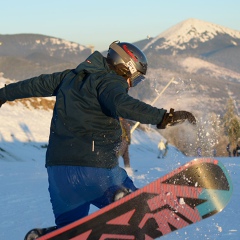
(188,194)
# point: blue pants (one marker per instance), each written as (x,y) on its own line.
(73,188)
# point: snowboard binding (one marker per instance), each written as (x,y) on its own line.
(38,232)
(121,193)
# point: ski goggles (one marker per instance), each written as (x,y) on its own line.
(136,78)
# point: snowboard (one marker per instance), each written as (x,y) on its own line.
(186,195)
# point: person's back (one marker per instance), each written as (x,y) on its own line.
(80,117)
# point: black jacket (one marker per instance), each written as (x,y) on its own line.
(85,129)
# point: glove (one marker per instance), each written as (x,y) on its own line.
(2,102)
(173,118)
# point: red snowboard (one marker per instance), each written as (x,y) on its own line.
(192,192)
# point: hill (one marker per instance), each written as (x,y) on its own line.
(24,193)
(26,55)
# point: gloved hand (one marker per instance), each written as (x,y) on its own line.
(172,118)
(2,102)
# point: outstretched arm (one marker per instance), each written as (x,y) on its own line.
(44,85)
(115,101)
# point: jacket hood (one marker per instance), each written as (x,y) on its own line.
(94,63)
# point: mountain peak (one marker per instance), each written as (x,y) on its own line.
(191,29)
(197,28)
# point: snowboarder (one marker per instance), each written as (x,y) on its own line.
(228,150)
(85,133)
(238,150)
(214,152)
(199,152)
(161,148)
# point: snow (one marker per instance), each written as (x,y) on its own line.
(52,43)
(193,65)
(24,198)
(189,29)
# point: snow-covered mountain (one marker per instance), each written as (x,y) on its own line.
(26,55)
(189,34)
(23,45)
(194,38)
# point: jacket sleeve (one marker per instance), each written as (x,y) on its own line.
(44,85)
(114,98)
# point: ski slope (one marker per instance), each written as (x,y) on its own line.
(24,198)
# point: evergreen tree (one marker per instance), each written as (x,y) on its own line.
(231,123)
(234,130)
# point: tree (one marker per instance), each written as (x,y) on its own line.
(231,123)
(234,130)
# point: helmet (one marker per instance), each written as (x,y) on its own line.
(129,60)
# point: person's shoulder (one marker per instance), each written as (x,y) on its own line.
(112,78)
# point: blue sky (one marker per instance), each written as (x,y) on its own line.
(99,22)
